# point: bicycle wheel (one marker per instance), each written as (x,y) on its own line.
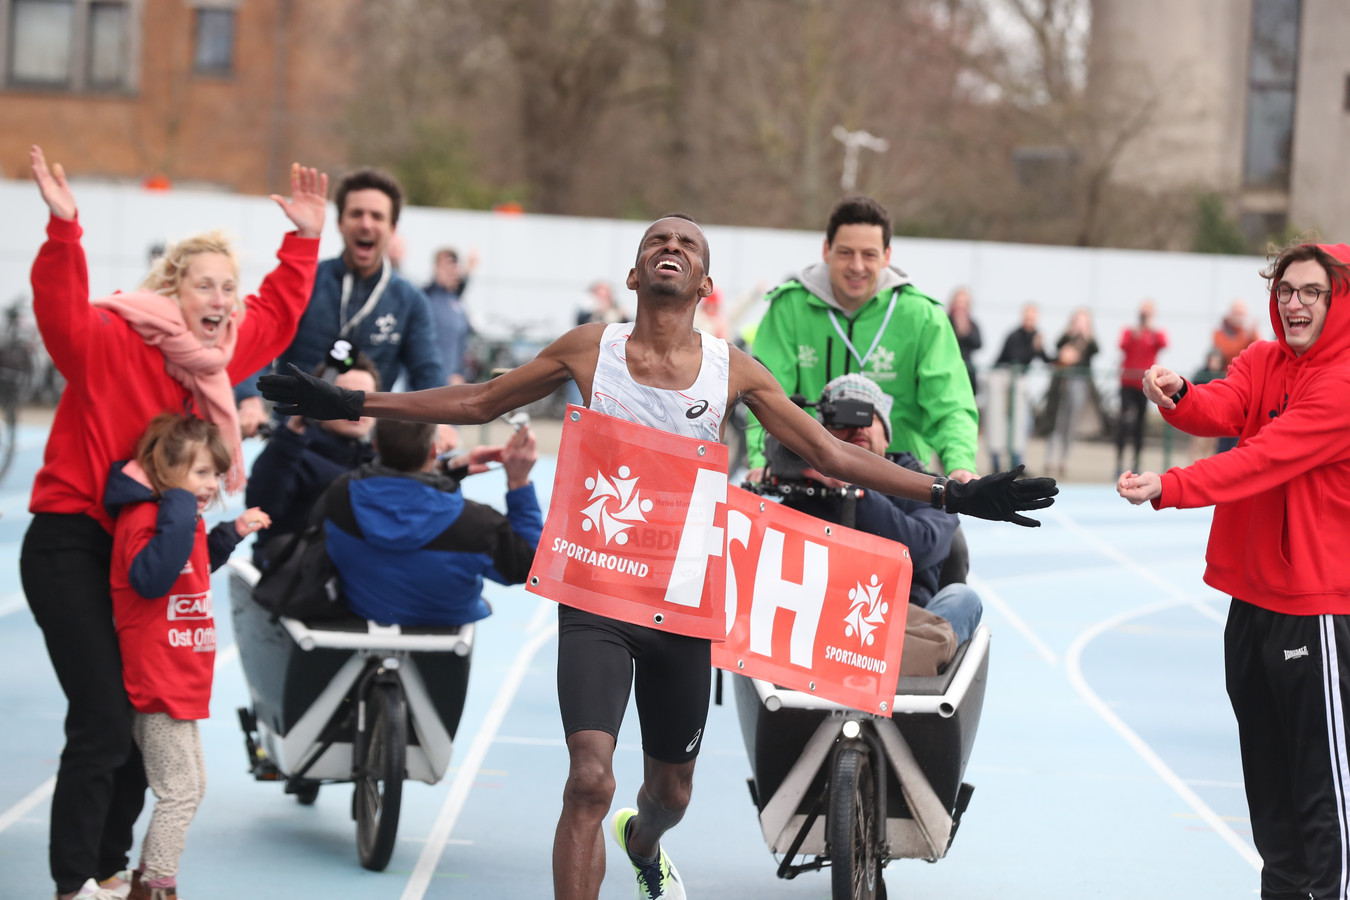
(855,868)
(379,755)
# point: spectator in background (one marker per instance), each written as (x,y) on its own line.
(709,315)
(1140,345)
(1234,334)
(1213,369)
(1073,378)
(601,306)
(967,332)
(1009,418)
(445,293)
(358,297)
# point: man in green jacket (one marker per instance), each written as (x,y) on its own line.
(854,312)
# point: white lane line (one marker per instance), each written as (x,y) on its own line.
(1109,550)
(991,597)
(473,762)
(1073,668)
(12,603)
(24,806)
(540,617)
(44,790)
(226,656)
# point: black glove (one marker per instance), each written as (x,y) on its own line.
(1000,496)
(301,394)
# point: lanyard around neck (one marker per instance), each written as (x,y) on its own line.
(862,360)
(386,271)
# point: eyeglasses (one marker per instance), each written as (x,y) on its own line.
(1308,295)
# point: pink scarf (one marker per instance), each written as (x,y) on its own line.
(159,322)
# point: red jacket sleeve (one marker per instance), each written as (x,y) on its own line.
(1310,434)
(60,280)
(274,312)
(1217,409)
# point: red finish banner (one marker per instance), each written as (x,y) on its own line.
(642,528)
(635,527)
(812,606)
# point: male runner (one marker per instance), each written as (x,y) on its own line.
(676,370)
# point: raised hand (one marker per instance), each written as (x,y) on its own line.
(308,204)
(1000,496)
(251,521)
(1160,383)
(52,183)
(518,458)
(301,394)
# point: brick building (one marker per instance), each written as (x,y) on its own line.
(201,93)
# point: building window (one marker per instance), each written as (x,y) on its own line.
(72,45)
(40,38)
(107,45)
(1272,85)
(214,54)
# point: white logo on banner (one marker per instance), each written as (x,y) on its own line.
(620,493)
(867,613)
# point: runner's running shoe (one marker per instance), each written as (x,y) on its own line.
(655,880)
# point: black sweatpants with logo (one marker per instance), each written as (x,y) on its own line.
(1288,683)
(66,566)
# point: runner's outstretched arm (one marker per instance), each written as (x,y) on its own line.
(299,393)
(998,497)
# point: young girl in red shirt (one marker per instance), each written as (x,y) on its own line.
(161,588)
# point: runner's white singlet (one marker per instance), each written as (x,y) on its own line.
(695,412)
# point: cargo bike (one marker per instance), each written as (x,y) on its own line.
(852,791)
(345,700)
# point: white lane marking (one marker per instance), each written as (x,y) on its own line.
(12,603)
(991,598)
(420,879)
(24,806)
(540,617)
(1073,668)
(226,656)
(1109,550)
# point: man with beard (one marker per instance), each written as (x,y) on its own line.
(359,298)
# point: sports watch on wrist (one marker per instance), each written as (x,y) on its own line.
(939,495)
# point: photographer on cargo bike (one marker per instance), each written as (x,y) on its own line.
(855,410)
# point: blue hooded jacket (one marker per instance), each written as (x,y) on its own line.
(412,551)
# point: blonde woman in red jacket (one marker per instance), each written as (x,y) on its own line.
(175,345)
(1277,546)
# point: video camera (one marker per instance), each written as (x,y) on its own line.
(339,360)
(785,467)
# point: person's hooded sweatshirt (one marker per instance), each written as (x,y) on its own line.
(412,551)
(900,338)
(1282,497)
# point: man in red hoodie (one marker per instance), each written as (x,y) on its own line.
(1281,523)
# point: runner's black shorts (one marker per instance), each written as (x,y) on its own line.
(600,658)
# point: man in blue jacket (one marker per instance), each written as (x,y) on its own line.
(409,548)
(359,298)
(926,531)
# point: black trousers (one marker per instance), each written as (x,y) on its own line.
(100,783)
(1133,404)
(1288,682)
